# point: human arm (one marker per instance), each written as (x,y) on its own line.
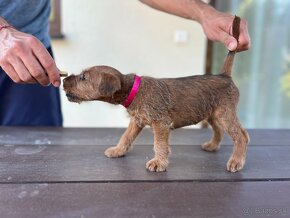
(25,59)
(216,25)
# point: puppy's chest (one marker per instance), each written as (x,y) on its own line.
(140,117)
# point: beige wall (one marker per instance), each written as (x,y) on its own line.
(128,36)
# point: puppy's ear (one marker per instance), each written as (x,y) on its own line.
(109,84)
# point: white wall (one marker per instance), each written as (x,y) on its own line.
(129,36)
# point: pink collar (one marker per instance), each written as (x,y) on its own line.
(133,92)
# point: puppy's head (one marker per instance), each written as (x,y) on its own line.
(95,83)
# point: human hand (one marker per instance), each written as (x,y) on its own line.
(218,27)
(25,59)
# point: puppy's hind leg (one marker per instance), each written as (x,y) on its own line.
(125,142)
(218,133)
(240,137)
(161,148)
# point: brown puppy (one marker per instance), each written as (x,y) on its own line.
(166,104)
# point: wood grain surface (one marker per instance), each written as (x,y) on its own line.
(59,172)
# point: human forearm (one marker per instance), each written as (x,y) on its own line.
(216,25)
(189,9)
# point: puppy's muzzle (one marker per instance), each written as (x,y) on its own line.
(72,97)
(68,85)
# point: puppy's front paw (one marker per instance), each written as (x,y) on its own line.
(235,164)
(157,165)
(114,152)
(210,146)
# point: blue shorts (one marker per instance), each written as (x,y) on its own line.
(29,104)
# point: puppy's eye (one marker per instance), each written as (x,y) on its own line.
(82,77)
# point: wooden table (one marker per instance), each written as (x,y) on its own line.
(62,172)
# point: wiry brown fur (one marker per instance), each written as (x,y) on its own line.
(166,104)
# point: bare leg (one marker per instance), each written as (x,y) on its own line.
(125,142)
(161,148)
(218,133)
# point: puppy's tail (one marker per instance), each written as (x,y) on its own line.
(228,65)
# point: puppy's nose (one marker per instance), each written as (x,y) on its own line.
(66,83)
(65,79)
(69,82)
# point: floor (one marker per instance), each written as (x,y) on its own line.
(62,172)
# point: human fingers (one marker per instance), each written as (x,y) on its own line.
(35,69)
(22,71)
(244,38)
(16,51)
(218,28)
(10,71)
(46,62)
(228,40)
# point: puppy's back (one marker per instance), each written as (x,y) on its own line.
(195,98)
